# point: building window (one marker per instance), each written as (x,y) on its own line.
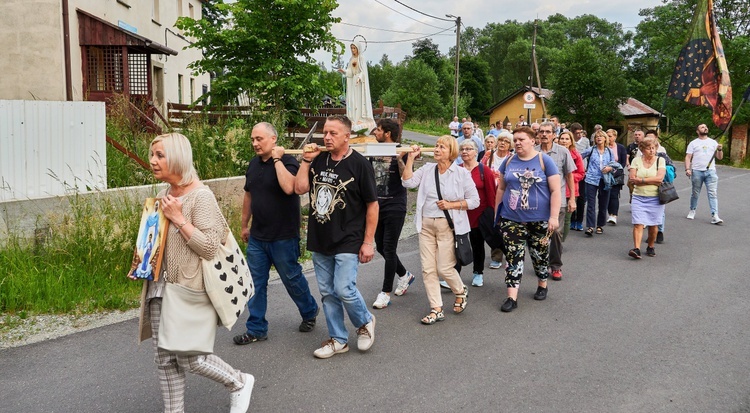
(179,88)
(191,9)
(192,90)
(138,72)
(179,8)
(155,10)
(104,66)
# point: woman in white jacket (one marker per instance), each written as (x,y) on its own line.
(436,240)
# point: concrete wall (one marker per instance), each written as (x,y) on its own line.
(31,38)
(24,218)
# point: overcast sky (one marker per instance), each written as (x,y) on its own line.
(385,15)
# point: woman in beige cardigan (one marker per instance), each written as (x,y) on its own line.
(196,226)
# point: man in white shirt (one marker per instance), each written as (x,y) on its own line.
(455,127)
(700,167)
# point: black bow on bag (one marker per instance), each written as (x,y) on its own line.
(464,254)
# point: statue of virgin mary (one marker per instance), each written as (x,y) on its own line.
(358,103)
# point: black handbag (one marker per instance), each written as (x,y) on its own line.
(667,193)
(464,254)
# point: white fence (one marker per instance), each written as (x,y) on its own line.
(51,148)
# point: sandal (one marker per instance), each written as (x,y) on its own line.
(599,230)
(589,231)
(459,307)
(433,317)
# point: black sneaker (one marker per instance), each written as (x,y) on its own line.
(307,326)
(635,253)
(248,338)
(509,305)
(541,293)
(659,237)
(650,251)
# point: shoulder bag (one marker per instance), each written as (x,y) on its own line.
(464,254)
(188,321)
(227,279)
(667,191)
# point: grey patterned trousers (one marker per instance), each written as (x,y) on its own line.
(172,368)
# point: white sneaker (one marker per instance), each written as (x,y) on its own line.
(404,283)
(444,284)
(239,401)
(382,301)
(691,214)
(612,219)
(366,335)
(478,280)
(329,348)
(716,220)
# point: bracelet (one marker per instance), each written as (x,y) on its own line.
(306,160)
(179,227)
(276,160)
(372,244)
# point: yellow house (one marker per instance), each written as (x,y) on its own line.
(531,103)
(513,106)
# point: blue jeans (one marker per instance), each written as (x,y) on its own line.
(711,180)
(596,193)
(337,282)
(284,255)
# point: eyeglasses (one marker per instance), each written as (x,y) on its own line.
(467,149)
(544,131)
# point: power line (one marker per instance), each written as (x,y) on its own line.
(386,30)
(400,41)
(421,12)
(409,17)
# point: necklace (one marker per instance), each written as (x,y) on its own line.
(339,161)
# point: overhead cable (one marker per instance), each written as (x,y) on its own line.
(426,24)
(423,13)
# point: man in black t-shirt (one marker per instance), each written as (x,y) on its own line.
(340,231)
(273,238)
(392,207)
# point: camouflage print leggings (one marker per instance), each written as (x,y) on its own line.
(517,237)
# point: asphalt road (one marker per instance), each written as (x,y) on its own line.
(663,334)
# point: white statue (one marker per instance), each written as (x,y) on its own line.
(358,103)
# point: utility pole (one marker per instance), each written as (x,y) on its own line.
(531,72)
(458,54)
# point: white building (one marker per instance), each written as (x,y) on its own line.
(92,49)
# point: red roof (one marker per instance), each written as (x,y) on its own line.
(634,107)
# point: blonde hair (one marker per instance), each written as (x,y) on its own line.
(602,134)
(179,156)
(451,144)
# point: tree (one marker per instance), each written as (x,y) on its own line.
(474,80)
(415,87)
(588,83)
(381,76)
(264,48)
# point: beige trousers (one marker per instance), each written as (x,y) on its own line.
(436,249)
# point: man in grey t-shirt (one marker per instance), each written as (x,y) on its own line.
(566,166)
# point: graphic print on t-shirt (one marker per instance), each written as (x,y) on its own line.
(327,195)
(527,180)
(382,167)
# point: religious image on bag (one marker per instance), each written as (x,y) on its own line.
(149,246)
